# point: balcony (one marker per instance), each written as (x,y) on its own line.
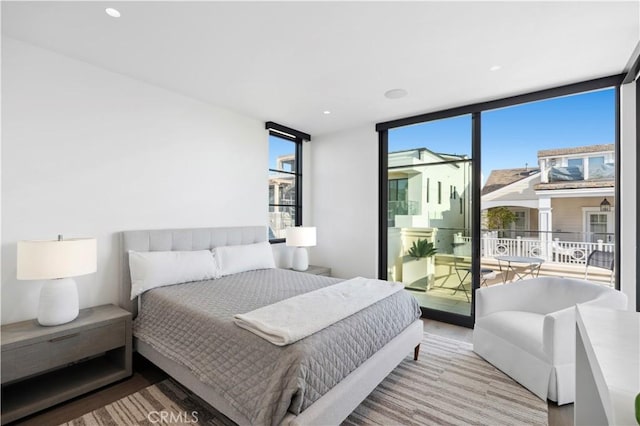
(573,251)
(402,208)
(565,257)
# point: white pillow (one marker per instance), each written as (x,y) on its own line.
(159,268)
(248,257)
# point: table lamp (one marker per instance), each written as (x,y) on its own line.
(57,261)
(301,237)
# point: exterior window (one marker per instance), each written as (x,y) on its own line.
(598,170)
(428,186)
(285,179)
(599,226)
(439,192)
(575,169)
(284,185)
(398,189)
(595,162)
(520,225)
(398,199)
(598,223)
(575,162)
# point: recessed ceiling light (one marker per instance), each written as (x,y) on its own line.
(326,112)
(114,13)
(495,68)
(395,93)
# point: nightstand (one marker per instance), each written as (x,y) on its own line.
(318,270)
(43,366)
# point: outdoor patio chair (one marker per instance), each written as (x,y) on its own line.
(600,259)
(463,268)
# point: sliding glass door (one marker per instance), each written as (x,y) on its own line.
(490,193)
(429,214)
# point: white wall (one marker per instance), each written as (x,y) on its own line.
(87,152)
(344,201)
(627,205)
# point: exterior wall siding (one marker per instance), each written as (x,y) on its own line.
(568,215)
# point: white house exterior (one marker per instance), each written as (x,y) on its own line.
(429,198)
(560,201)
(437,191)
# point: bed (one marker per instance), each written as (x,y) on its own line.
(175,331)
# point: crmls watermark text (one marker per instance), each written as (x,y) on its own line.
(184,417)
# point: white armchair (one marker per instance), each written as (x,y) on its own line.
(527,330)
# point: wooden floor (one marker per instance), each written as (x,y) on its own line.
(146,374)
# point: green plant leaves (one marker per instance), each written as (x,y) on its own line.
(422,248)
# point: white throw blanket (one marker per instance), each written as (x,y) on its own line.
(292,319)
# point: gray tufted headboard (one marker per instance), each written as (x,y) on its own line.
(179,240)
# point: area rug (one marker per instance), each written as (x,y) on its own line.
(448,385)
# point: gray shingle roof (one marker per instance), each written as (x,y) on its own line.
(575,150)
(503,177)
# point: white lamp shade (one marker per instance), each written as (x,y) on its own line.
(301,236)
(43,260)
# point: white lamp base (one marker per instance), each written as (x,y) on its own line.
(58,302)
(300,259)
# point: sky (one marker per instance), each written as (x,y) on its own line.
(512,136)
(277,147)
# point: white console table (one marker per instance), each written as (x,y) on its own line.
(607,366)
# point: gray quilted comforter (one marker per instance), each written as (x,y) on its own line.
(192,324)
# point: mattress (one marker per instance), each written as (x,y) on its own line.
(192,324)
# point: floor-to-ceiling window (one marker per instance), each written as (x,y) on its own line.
(492,184)
(428,213)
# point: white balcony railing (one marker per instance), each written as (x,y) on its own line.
(557,251)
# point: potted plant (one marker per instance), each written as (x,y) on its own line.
(418,267)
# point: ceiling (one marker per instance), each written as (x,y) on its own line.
(289,62)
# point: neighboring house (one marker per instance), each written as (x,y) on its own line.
(428,189)
(429,198)
(560,199)
(515,189)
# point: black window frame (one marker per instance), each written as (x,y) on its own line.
(476,110)
(297,137)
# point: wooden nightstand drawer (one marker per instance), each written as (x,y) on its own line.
(61,350)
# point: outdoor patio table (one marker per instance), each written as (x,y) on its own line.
(531,268)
